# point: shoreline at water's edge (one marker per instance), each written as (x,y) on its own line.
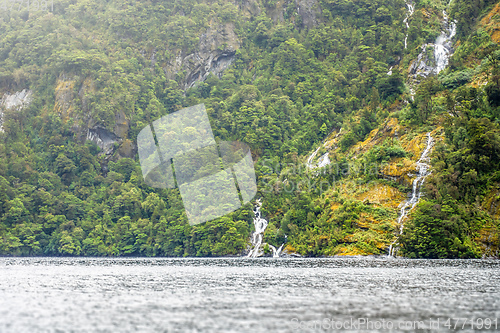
(372,256)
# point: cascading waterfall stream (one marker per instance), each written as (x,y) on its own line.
(324,159)
(309,160)
(443,45)
(258,235)
(276,253)
(422,67)
(423,170)
(411,10)
(260,226)
(442,49)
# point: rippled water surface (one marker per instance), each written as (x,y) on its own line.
(244,295)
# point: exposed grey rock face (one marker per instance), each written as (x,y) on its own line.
(15,101)
(308,11)
(18,99)
(103,138)
(249,7)
(72,104)
(425,64)
(215,53)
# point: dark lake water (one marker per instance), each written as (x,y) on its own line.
(248,295)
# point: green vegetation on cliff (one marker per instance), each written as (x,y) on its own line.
(281,76)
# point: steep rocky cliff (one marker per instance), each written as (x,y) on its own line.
(278,75)
(14,102)
(214,54)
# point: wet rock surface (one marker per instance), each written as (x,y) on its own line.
(14,101)
(434,57)
(215,53)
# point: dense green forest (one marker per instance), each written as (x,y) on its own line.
(284,77)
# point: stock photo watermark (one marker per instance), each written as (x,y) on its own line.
(452,324)
(28,5)
(179,151)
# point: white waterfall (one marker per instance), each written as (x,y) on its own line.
(260,226)
(324,160)
(443,45)
(423,170)
(422,67)
(276,253)
(443,50)
(258,235)
(309,160)
(411,10)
